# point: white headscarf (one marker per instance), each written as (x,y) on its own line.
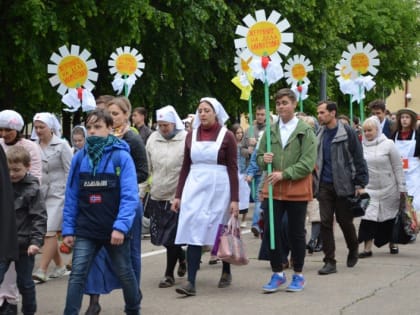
(169,114)
(11,119)
(221,114)
(50,120)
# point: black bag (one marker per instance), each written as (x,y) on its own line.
(146,205)
(163,223)
(359,204)
(399,231)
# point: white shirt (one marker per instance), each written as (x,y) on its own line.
(286,129)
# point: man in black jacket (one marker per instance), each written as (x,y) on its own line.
(341,173)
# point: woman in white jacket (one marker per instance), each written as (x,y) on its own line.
(386,187)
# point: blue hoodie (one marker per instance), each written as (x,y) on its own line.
(76,221)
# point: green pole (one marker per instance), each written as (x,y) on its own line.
(125,86)
(300,98)
(362,114)
(269,166)
(251,134)
(351,109)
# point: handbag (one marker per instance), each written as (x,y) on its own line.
(405,227)
(359,204)
(231,248)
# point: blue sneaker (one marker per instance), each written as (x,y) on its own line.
(297,284)
(275,283)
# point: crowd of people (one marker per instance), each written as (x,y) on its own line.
(191,176)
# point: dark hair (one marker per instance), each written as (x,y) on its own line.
(331,106)
(413,120)
(141,111)
(285,92)
(356,120)
(235,128)
(103,99)
(345,117)
(377,104)
(260,107)
(18,154)
(98,115)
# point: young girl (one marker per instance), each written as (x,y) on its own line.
(78,138)
(244,189)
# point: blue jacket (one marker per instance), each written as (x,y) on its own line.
(129,199)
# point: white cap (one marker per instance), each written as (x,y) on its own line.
(50,120)
(169,114)
(11,119)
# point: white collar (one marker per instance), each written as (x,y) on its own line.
(292,123)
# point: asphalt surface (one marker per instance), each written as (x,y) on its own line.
(382,284)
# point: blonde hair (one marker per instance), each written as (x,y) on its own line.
(122,102)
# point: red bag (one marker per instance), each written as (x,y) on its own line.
(231,248)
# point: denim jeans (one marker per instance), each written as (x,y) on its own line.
(84,251)
(257,203)
(24,267)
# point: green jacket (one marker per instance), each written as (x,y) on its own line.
(297,159)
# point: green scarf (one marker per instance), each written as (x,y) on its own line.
(95,148)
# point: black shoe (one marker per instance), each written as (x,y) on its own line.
(93,309)
(166,282)
(365,254)
(393,249)
(255,230)
(328,268)
(182,269)
(225,280)
(311,246)
(186,289)
(318,246)
(8,309)
(352,258)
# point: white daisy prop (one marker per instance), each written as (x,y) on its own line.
(126,63)
(297,69)
(73,73)
(264,37)
(243,80)
(344,77)
(361,60)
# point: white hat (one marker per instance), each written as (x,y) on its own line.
(11,119)
(169,114)
(221,114)
(50,120)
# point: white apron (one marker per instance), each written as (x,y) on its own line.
(206,196)
(411,167)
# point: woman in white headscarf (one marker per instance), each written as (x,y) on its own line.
(207,192)
(386,186)
(165,153)
(56,157)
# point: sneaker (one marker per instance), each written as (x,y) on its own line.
(39,275)
(187,289)
(255,230)
(327,269)
(352,258)
(275,283)
(58,272)
(243,224)
(297,284)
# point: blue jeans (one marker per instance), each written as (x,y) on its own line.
(257,203)
(84,252)
(24,267)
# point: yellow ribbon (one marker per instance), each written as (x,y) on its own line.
(244,84)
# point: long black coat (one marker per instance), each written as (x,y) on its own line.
(8,233)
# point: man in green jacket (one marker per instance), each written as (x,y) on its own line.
(293,156)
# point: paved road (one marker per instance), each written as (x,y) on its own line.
(383,284)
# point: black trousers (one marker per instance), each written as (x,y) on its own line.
(330,204)
(296,213)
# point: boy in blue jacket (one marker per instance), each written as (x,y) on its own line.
(99,210)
